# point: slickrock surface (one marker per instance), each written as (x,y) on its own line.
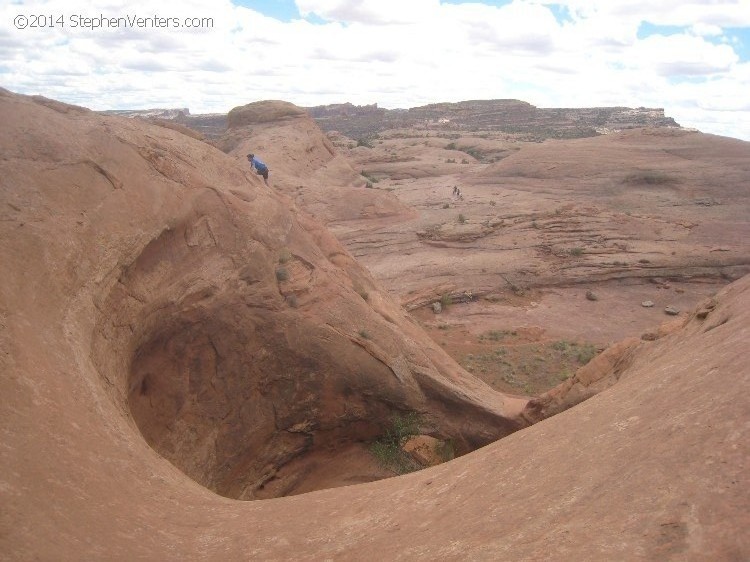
(304,164)
(144,319)
(151,278)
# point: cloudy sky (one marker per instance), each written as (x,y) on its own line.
(690,57)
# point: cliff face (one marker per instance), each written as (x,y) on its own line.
(510,116)
(149,270)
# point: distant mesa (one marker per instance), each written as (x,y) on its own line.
(505,115)
(161,113)
(514,117)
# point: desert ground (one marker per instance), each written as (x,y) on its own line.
(197,365)
(653,215)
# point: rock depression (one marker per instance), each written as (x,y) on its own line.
(241,338)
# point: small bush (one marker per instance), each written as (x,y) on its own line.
(446,300)
(282,274)
(364,334)
(387,450)
(446,205)
(291,300)
(473,152)
(494,335)
(285,255)
(364,142)
(450,146)
(586,353)
(461,218)
(450,161)
(561,345)
(446,450)
(576,251)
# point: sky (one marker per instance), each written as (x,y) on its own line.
(691,58)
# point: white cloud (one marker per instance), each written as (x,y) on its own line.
(724,13)
(398,54)
(375,12)
(706,30)
(683,55)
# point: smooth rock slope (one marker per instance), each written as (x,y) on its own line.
(151,277)
(143,318)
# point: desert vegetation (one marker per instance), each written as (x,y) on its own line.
(388,449)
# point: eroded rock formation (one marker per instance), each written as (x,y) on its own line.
(304,163)
(141,296)
(233,330)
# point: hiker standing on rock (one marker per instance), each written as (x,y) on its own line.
(260,167)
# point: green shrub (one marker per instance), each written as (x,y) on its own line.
(561,345)
(445,300)
(446,450)
(461,218)
(586,353)
(387,450)
(285,255)
(282,274)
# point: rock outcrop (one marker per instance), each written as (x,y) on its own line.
(514,117)
(148,268)
(304,163)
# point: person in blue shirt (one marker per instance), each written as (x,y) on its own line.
(260,167)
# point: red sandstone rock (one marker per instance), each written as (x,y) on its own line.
(132,253)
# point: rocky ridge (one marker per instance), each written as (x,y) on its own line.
(513,117)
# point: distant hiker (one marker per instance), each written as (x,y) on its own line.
(260,167)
